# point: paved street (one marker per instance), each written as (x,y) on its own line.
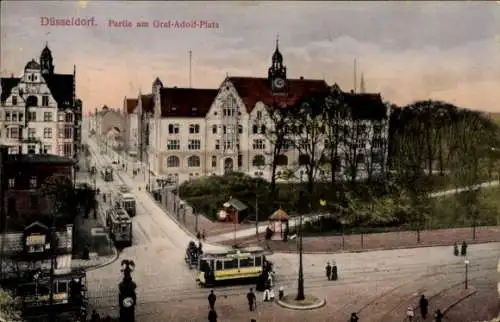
(377,284)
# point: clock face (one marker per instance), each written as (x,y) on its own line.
(128,302)
(279,83)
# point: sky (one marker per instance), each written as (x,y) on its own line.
(406,50)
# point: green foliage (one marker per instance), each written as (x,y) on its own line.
(8,308)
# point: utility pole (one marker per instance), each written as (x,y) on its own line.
(190,61)
(52,268)
(300,286)
(256,214)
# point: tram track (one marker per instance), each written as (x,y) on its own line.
(313,281)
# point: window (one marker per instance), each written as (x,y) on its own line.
(68,132)
(31,148)
(259,161)
(214,161)
(194,161)
(214,129)
(217,144)
(173,128)
(240,160)
(47,133)
(7,116)
(60,117)
(21,117)
(68,117)
(194,129)
(173,162)
(228,145)
(224,129)
(255,129)
(194,145)
(12,183)
(258,144)
(31,116)
(173,145)
(31,133)
(304,159)
(45,100)
(240,129)
(47,116)
(263,129)
(33,183)
(13,132)
(14,100)
(14,117)
(68,151)
(281,160)
(47,149)
(259,115)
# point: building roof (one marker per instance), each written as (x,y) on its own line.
(14,242)
(186,102)
(38,159)
(236,204)
(366,106)
(32,65)
(147,103)
(61,88)
(8,83)
(130,105)
(252,90)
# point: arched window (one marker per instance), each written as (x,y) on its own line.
(263,129)
(240,129)
(281,160)
(303,159)
(194,161)
(255,129)
(173,162)
(31,101)
(214,129)
(258,161)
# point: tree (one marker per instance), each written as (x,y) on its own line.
(65,201)
(277,137)
(8,308)
(308,134)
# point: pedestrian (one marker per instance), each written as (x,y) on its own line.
(252,303)
(212,316)
(334,271)
(211,300)
(328,270)
(410,313)
(464,248)
(354,317)
(455,249)
(438,317)
(424,307)
(266,296)
(203,235)
(281,293)
(198,235)
(200,248)
(95,317)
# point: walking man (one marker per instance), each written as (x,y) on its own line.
(464,248)
(354,317)
(438,316)
(211,300)
(328,270)
(251,300)
(455,249)
(424,307)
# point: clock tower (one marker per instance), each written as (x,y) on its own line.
(277,72)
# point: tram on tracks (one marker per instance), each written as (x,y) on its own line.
(120,227)
(107,174)
(126,200)
(236,265)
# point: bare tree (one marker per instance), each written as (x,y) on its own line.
(355,136)
(308,134)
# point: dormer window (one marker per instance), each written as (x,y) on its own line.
(259,115)
(194,129)
(14,100)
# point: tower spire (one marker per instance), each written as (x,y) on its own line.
(277,41)
(190,61)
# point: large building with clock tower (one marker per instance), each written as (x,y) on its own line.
(39,111)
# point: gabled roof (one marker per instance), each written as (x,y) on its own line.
(252,90)
(186,102)
(8,83)
(131,104)
(61,88)
(147,103)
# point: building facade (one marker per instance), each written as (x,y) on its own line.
(39,111)
(198,132)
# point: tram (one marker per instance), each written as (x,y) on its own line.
(192,255)
(241,265)
(107,174)
(126,201)
(120,227)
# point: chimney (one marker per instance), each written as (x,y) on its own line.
(12,75)
(301,77)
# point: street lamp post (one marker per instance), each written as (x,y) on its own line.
(466,262)
(300,287)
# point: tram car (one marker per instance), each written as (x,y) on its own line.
(120,227)
(126,200)
(107,174)
(236,265)
(192,255)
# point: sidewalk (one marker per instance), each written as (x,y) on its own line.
(389,240)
